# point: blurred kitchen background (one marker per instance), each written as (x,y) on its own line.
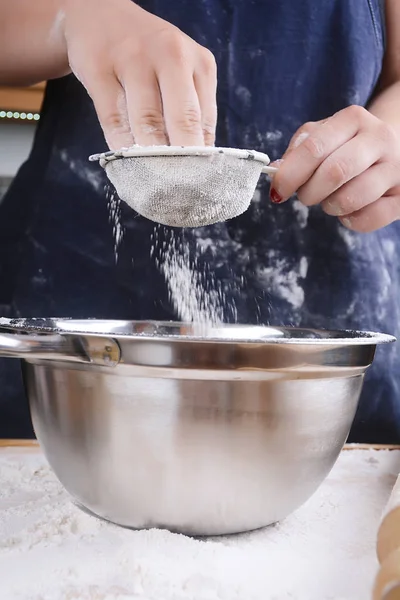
(19,116)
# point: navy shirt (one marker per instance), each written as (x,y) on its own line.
(280,64)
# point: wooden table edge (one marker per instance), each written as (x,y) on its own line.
(19,443)
(35,444)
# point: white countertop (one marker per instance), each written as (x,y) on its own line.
(51,550)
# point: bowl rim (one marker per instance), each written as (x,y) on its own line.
(179,331)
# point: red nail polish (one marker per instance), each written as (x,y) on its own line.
(275,197)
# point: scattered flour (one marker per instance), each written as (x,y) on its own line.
(301,212)
(257,197)
(389,247)
(51,550)
(273,136)
(95,179)
(283,281)
(244,94)
(86,174)
(349,237)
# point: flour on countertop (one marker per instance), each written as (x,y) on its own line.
(51,550)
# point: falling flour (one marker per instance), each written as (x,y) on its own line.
(114,211)
(194,291)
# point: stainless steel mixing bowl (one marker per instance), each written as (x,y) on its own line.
(203,432)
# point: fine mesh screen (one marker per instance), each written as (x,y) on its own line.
(188,190)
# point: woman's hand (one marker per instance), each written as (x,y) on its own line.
(350,164)
(150,83)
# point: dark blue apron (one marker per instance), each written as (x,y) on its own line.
(280,64)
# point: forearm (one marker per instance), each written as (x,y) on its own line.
(386,105)
(32,45)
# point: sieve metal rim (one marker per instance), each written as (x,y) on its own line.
(139,151)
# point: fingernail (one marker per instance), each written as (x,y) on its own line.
(274,196)
(276,163)
(335,210)
(346,221)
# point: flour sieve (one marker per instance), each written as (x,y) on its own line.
(185,186)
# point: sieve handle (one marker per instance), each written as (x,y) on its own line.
(84,349)
(269,170)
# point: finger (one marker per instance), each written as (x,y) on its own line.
(110,103)
(301,163)
(182,112)
(144,105)
(205,81)
(361,191)
(343,165)
(379,214)
(302,134)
